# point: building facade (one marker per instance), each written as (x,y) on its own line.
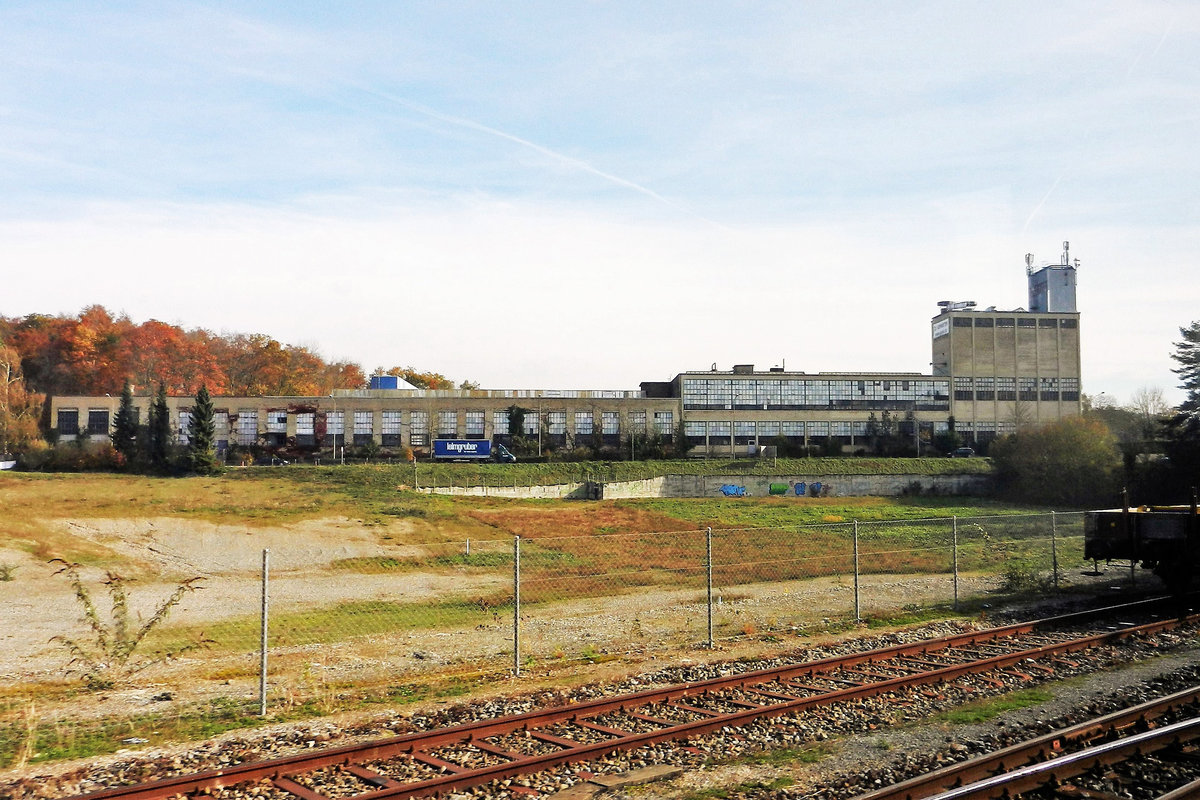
(992,372)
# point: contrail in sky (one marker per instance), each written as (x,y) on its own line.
(1045,197)
(574,162)
(1128,73)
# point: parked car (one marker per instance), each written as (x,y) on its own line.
(963,452)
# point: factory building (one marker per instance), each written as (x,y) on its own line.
(992,372)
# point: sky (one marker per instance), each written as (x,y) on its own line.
(588,195)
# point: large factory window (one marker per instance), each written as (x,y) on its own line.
(68,422)
(364,427)
(393,422)
(305,432)
(474,424)
(335,428)
(247,426)
(418,428)
(610,422)
(815,429)
(556,427)
(447,424)
(584,423)
(664,423)
(97,421)
(221,427)
(185,426)
(500,423)
(745,395)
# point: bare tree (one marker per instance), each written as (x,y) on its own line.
(1151,408)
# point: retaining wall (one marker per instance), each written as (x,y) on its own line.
(755,485)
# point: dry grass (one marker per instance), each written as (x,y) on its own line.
(262,500)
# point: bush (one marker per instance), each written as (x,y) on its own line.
(76,456)
(1073,462)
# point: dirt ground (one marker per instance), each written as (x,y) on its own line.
(630,624)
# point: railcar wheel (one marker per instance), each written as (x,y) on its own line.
(1176,576)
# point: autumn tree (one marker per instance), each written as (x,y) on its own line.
(202,435)
(20,409)
(422,380)
(160,430)
(164,353)
(125,426)
(1074,462)
(95,352)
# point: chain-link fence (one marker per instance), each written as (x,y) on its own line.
(431,617)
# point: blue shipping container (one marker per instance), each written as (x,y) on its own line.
(385,382)
(462,448)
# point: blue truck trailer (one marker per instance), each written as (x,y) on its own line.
(471,450)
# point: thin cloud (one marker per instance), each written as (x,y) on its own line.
(560,157)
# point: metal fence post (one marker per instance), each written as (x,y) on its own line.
(1054,547)
(517,606)
(262,644)
(708,568)
(857,605)
(954,520)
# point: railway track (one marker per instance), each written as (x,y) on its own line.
(495,751)
(1165,726)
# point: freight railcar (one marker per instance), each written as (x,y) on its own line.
(1162,538)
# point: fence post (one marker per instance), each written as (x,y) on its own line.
(468,547)
(954,520)
(517,606)
(262,643)
(708,568)
(857,606)
(1054,547)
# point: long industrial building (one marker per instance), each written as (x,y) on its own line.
(992,372)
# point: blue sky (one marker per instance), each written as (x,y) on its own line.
(588,195)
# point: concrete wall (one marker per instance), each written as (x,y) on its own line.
(756,486)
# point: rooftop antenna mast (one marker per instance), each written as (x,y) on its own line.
(1029,263)
(1066,257)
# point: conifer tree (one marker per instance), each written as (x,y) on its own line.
(160,430)
(1182,434)
(1187,355)
(125,426)
(202,432)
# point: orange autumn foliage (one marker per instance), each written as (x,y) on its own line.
(95,352)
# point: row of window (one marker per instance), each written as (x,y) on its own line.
(1019,322)
(1023,388)
(743,431)
(799,393)
(308,425)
